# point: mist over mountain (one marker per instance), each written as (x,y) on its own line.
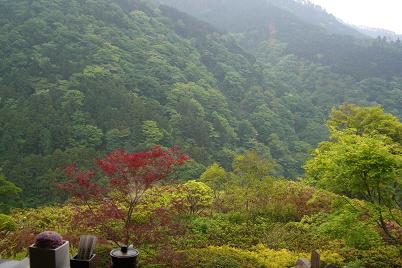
(308,36)
(378,32)
(316,15)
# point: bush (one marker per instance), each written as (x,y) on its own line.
(219,230)
(384,257)
(348,226)
(278,212)
(230,257)
(103,253)
(193,197)
(258,256)
(296,194)
(7,224)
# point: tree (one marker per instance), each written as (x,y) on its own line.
(9,194)
(151,132)
(366,121)
(193,197)
(116,138)
(251,166)
(87,136)
(359,167)
(253,176)
(361,160)
(217,178)
(123,179)
(214,176)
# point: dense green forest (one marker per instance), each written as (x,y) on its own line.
(290,119)
(79,78)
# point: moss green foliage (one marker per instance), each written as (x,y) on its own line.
(345,223)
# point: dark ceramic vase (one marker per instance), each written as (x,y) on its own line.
(124,257)
(76,263)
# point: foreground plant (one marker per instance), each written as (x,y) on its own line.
(108,197)
(48,240)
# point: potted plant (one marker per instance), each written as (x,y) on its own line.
(85,257)
(49,251)
(108,196)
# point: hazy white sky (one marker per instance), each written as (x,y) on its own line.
(386,14)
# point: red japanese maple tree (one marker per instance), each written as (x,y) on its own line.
(114,190)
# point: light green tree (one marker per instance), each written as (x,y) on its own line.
(252,172)
(9,194)
(357,166)
(361,160)
(194,197)
(365,121)
(151,132)
(86,135)
(116,138)
(214,176)
(218,179)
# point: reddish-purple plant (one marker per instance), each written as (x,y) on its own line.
(48,240)
(126,177)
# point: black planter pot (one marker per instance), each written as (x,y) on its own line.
(76,263)
(124,257)
(49,258)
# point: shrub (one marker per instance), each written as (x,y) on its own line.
(220,231)
(297,194)
(230,257)
(258,256)
(384,257)
(7,224)
(348,226)
(103,253)
(193,197)
(278,212)
(48,240)
(329,257)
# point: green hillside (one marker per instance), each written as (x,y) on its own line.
(79,78)
(316,15)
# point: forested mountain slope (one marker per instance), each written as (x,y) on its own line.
(378,32)
(256,21)
(316,15)
(79,78)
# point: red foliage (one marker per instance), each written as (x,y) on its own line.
(16,241)
(132,172)
(80,184)
(395,229)
(127,177)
